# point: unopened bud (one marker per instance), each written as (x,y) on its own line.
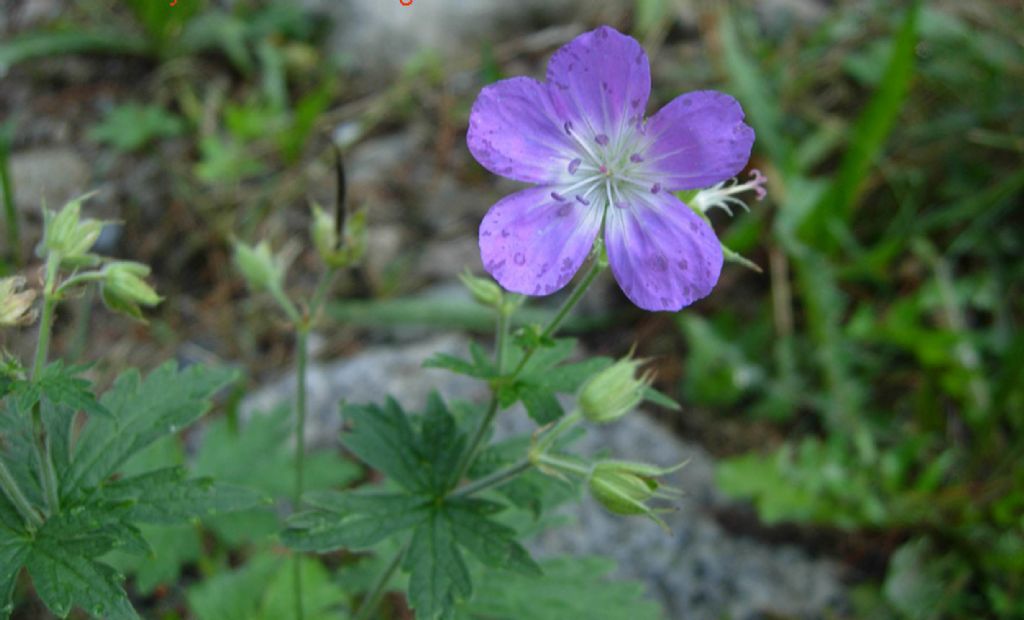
(613,392)
(124,288)
(484,290)
(15,304)
(71,237)
(335,251)
(258,265)
(625,488)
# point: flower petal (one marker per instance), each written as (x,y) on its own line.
(515,132)
(697,140)
(602,79)
(533,243)
(663,255)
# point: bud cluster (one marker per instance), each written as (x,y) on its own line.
(67,241)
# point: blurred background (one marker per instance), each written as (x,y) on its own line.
(856,409)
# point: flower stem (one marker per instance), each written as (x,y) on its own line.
(303,324)
(47,473)
(373,598)
(46,319)
(501,339)
(492,480)
(300,447)
(13,492)
(598,266)
(563,464)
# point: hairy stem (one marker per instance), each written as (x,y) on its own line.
(475,443)
(300,448)
(596,267)
(492,480)
(47,473)
(377,592)
(303,325)
(14,493)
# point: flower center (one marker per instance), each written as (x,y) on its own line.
(606,170)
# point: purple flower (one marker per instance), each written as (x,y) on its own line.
(582,139)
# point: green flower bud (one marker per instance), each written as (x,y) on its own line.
(124,288)
(624,487)
(484,290)
(334,251)
(16,305)
(71,237)
(613,392)
(258,265)
(324,232)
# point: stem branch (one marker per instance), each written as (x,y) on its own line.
(492,480)
(373,598)
(47,473)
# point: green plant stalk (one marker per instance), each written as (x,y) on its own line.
(302,353)
(557,463)
(47,473)
(377,591)
(17,497)
(574,298)
(302,361)
(598,266)
(10,211)
(492,480)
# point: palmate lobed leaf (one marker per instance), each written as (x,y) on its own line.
(419,460)
(141,412)
(64,580)
(438,573)
(571,588)
(14,548)
(60,385)
(354,520)
(167,497)
(439,576)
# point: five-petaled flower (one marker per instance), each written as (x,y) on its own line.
(582,139)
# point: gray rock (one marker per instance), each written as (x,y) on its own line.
(48,174)
(370,376)
(700,571)
(381,35)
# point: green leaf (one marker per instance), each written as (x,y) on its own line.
(141,412)
(439,576)
(542,377)
(93,529)
(440,445)
(60,386)
(355,520)
(422,462)
(491,542)
(130,127)
(321,595)
(64,580)
(384,439)
(165,497)
(263,589)
(460,366)
(540,403)
(571,588)
(172,547)
(234,595)
(14,548)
